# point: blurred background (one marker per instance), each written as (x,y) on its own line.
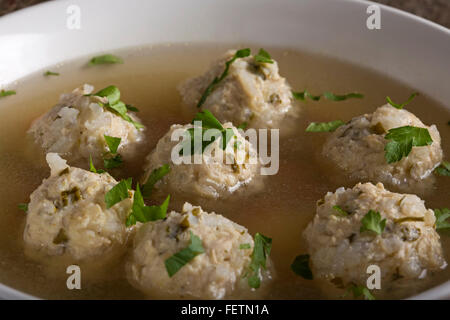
(434,10)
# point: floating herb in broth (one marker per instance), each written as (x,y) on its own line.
(324,126)
(105,59)
(401,105)
(5,93)
(148,80)
(50,73)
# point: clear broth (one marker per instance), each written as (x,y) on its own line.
(148,80)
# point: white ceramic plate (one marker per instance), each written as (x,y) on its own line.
(407,48)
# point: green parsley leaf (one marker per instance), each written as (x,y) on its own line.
(142,213)
(91,165)
(113,162)
(114,104)
(243,125)
(302,95)
(261,252)
(132,108)
(324,126)
(300,266)
(181,258)
(244,246)
(340,212)
(360,291)
(372,222)
(156,175)
(208,120)
(92,168)
(441,218)
(50,73)
(337,97)
(121,109)
(23,206)
(227,135)
(401,105)
(189,143)
(443,169)
(210,88)
(5,93)
(110,92)
(105,59)
(113,143)
(263,57)
(402,140)
(118,193)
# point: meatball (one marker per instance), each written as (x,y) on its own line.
(215,176)
(67,214)
(358,148)
(216,273)
(408,247)
(76,126)
(252,92)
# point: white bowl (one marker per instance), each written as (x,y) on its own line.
(407,48)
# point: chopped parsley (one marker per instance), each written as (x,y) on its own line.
(402,140)
(324,126)
(442,216)
(338,97)
(112,93)
(23,206)
(92,167)
(156,175)
(243,125)
(443,169)
(300,266)
(142,213)
(118,193)
(261,252)
(50,73)
(184,256)
(210,88)
(208,121)
(105,59)
(340,212)
(116,106)
(112,160)
(244,246)
(5,93)
(372,222)
(401,105)
(360,291)
(302,95)
(263,57)
(113,143)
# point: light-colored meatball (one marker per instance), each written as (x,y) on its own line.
(252,92)
(358,148)
(408,248)
(217,273)
(67,214)
(214,177)
(76,126)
